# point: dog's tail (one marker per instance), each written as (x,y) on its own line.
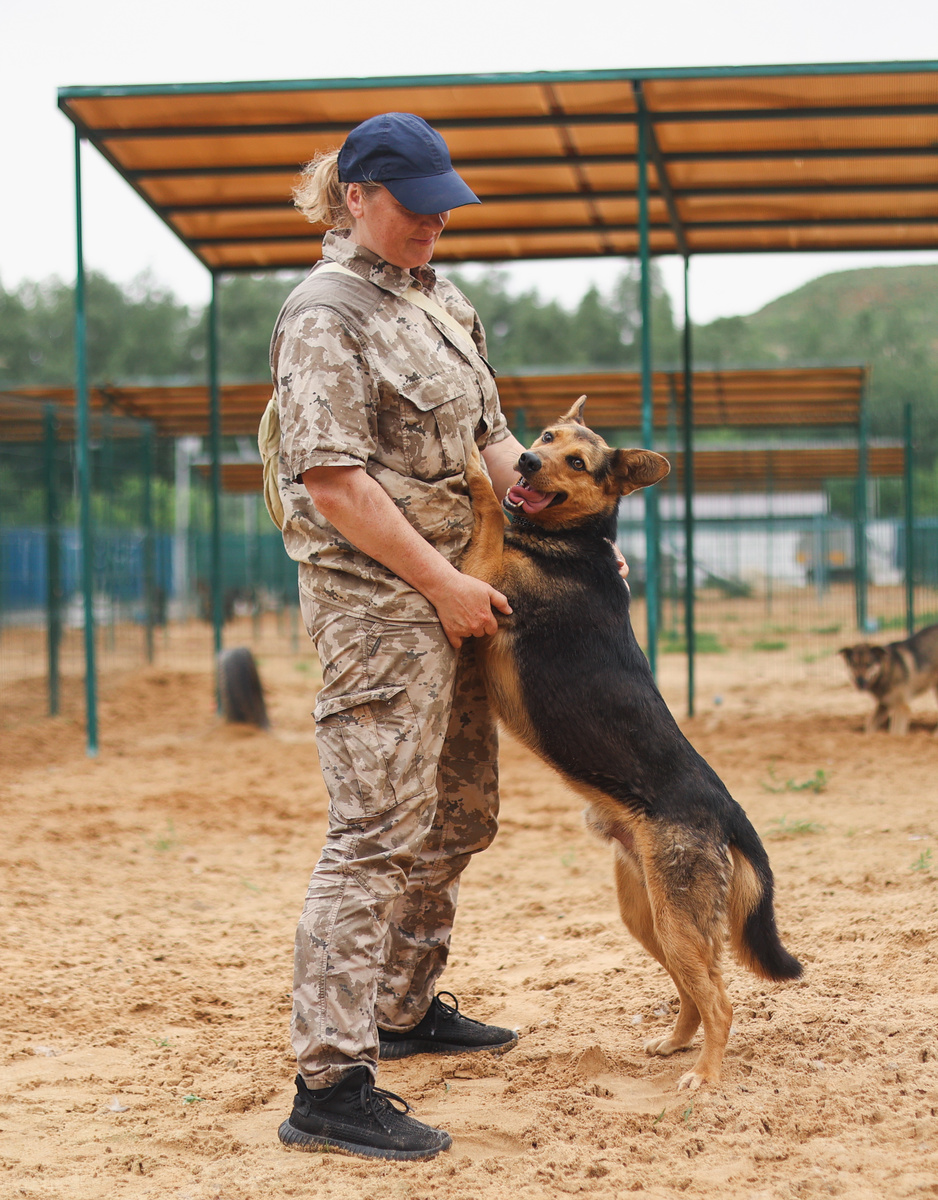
(753,933)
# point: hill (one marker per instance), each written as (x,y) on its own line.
(884,316)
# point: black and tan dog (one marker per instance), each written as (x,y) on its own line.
(566,675)
(893,674)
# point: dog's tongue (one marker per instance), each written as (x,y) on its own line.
(528,498)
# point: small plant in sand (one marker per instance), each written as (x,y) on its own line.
(192,1098)
(165,841)
(817,783)
(783,827)
(923,862)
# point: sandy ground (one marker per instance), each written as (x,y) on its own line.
(147,910)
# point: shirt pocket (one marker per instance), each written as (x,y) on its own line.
(437,426)
(370,752)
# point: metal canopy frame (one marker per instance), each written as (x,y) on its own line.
(709,160)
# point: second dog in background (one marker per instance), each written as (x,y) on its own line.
(893,674)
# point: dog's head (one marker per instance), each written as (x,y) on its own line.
(864,662)
(571,475)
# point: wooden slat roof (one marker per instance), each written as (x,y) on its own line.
(720,470)
(743,398)
(783,468)
(815,157)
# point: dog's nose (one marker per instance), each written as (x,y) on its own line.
(529,463)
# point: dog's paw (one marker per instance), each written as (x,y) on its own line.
(474,467)
(665,1045)
(691,1081)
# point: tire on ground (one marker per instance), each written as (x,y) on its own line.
(239,685)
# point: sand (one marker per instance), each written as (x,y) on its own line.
(149,900)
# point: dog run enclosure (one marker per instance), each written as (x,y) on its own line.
(634,163)
(153,501)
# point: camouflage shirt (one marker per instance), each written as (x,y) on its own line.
(365,378)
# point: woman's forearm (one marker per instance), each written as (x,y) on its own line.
(362,511)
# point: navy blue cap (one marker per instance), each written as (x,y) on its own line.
(402,152)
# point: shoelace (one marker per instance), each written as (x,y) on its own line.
(377,1101)
(448,1011)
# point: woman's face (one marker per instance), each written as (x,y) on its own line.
(382,225)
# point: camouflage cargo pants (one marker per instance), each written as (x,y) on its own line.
(408,751)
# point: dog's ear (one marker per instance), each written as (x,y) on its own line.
(635,469)
(575,414)
(847,652)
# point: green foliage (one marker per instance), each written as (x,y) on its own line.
(884,316)
(768,644)
(817,783)
(781,827)
(603,331)
(704,643)
(135,333)
(923,862)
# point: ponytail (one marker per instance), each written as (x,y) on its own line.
(320,195)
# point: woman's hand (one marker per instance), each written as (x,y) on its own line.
(464,605)
(623,565)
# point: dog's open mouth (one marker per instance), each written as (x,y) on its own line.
(524,498)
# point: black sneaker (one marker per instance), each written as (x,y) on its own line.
(355,1117)
(444,1030)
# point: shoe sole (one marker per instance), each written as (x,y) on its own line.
(296,1139)
(389,1050)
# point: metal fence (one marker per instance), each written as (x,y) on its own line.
(151,563)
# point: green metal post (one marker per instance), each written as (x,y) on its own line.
(689,562)
(770,537)
(149,589)
(53,557)
(521,426)
(215,452)
(82,406)
(909,525)
(651,497)
(860,519)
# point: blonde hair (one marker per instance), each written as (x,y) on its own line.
(319,194)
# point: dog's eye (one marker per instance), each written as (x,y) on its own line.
(547,437)
(577,463)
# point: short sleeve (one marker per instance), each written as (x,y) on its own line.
(326,393)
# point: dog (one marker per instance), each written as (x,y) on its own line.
(893,674)
(566,675)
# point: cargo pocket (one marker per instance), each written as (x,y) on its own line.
(369,750)
(437,426)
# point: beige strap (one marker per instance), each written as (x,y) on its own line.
(418,298)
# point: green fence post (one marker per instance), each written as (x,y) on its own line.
(521,427)
(690,636)
(148,572)
(860,515)
(53,556)
(650,495)
(82,405)
(909,525)
(215,451)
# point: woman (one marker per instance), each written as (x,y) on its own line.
(383,389)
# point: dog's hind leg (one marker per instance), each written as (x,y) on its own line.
(899,719)
(687,881)
(638,918)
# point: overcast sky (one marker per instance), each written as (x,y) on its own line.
(46,44)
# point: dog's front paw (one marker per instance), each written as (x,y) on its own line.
(474,467)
